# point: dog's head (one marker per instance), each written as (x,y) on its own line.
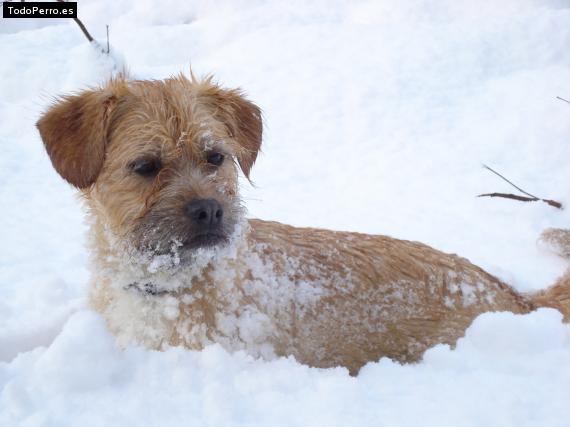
(157,160)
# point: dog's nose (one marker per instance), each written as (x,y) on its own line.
(205,212)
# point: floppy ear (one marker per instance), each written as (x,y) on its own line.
(243,119)
(74,132)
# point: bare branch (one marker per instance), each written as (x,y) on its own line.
(108,49)
(562,99)
(552,203)
(518,188)
(81,26)
(531,198)
(510,196)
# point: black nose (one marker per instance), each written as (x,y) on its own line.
(205,212)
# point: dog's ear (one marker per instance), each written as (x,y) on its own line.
(243,119)
(74,132)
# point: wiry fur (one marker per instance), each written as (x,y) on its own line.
(557,296)
(328,298)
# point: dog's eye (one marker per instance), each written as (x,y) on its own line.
(215,159)
(146,167)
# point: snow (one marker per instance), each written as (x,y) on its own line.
(506,372)
(379,115)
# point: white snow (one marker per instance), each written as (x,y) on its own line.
(379,115)
(510,370)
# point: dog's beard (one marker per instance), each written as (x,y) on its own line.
(163,254)
(168,241)
(162,269)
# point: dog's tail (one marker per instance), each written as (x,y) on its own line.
(558,295)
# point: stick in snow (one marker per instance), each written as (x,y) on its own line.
(530,198)
(87,34)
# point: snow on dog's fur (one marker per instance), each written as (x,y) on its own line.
(175,262)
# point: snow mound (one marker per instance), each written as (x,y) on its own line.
(506,371)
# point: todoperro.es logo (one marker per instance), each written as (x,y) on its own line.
(39,9)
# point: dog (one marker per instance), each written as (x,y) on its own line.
(175,262)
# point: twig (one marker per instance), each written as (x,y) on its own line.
(562,99)
(108,49)
(501,176)
(531,198)
(81,26)
(510,196)
(552,203)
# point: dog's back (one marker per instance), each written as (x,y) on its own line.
(381,296)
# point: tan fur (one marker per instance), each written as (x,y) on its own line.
(74,134)
(558,240)
(328,298)
(557,296)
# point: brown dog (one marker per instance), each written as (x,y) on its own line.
(176,263)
